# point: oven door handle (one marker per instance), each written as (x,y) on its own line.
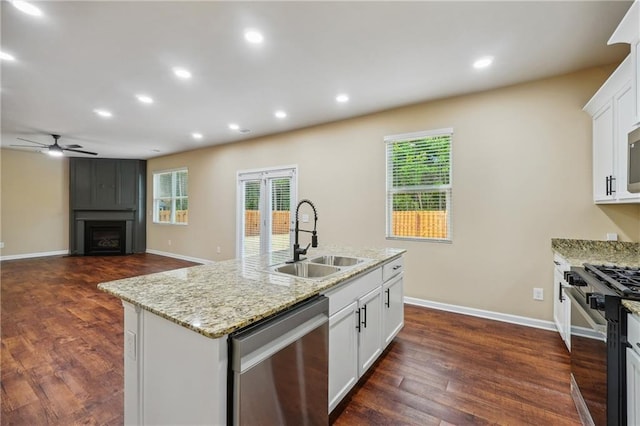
(596,325)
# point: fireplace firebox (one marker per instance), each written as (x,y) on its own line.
(105,237)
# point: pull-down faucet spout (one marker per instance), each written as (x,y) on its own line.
(297,251)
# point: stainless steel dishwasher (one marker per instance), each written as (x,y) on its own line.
(279,368)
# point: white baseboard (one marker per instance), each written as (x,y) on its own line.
(31,255)
(497,316)
(181,257)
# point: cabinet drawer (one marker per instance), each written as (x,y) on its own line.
(633,331)
(392,268)
(353,290)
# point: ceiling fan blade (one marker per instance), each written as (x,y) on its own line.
(27,140)
(73,146)
(26,146)
(81,152)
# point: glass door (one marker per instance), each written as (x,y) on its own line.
(266,199)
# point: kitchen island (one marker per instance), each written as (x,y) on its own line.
(177,323)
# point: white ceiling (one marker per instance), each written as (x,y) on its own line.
(80,56)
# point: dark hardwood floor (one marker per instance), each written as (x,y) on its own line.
(62,357)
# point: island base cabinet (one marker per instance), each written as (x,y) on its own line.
(392,309)
(343,353)
(370,329)
(172,375)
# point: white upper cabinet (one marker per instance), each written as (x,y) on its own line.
(615,110)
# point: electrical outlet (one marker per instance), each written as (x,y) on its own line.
(612,236)
(305,218)
(538,294)
(169,242)
(1,244)
(218,249)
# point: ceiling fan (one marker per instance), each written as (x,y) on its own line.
(55,150)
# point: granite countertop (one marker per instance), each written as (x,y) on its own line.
(634,307)
(217,299)
(577,252)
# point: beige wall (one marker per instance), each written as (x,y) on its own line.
(522,175)
(35,203)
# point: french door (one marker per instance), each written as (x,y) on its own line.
(266,200)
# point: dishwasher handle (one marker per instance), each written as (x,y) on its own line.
(259,342)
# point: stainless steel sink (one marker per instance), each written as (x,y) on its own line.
(336,260)
(306,270)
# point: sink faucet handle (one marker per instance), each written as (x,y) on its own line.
(304,250)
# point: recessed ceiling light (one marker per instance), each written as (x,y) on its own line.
(483,62)
(27,8)
(342,98)
(280,114)
(253,36)
(6,56)
(234,126)
(103,113)
(196,135)
(182,73)
(145,99)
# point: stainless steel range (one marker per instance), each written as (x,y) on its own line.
(598,340)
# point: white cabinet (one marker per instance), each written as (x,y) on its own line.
(343,353)
(603,158)
(613,110)
(633,370)
(365,314)
(392,305)
(369,329)
(633,388)
(561,303)
(561,309)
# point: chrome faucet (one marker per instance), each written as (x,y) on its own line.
(297,251)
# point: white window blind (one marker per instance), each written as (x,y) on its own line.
(171,197)
(419,185)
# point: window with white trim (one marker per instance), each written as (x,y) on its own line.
(170,197)
(419,185)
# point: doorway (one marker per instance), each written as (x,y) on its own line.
(266,199)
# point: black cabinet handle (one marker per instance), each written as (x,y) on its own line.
(611,180)
(364,308)
(560,298)
(606,186)
(638,345)
(395,268)
(388,302)
(358,322)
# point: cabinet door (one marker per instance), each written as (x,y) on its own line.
(566,321)
(370,329)
(603,153)
(392,309)
(343,353)
(128,184)
(106,183)
(624,108)
(81,174)
(633,387)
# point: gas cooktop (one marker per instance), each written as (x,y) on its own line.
(624,280)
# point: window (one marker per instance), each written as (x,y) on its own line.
(170,197)
(419,185)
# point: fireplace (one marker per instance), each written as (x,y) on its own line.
(104,237)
